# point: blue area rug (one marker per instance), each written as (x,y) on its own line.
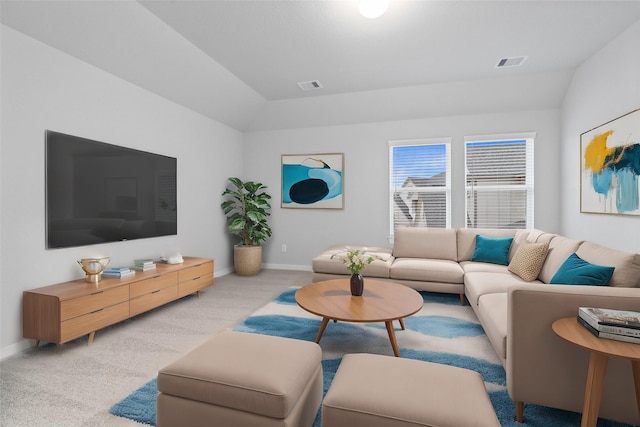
(443,332)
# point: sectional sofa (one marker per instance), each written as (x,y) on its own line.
(516,297)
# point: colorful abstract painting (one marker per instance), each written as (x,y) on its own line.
(610,159)
(313,181)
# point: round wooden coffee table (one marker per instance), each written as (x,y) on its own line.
(381,302)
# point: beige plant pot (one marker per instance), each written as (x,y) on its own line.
(247,260)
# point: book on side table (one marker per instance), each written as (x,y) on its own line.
(620,325)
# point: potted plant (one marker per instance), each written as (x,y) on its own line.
(247,210)
(356,260)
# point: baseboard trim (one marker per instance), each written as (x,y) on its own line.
(13,349)
(223,272)
(287,267)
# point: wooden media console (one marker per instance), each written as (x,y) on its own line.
(63,312)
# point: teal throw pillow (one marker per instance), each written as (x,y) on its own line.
(492,249)
(576,271)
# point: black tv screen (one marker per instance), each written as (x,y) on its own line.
(98,192)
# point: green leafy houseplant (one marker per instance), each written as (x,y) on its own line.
(247,211)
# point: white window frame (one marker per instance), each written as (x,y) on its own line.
(528,186)
(446,141)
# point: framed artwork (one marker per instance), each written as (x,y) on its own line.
(610,166)
(313,181)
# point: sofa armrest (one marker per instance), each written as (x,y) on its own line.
(544,369)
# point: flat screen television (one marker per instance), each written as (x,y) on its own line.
(98,192)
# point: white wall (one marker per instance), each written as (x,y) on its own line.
(43,88)
(365,218)
(605,87)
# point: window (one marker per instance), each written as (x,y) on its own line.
(420,183)
(499,181)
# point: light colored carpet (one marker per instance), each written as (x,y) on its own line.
(443,332)
(75,384)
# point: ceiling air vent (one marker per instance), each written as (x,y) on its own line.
(312,85)
(511,62)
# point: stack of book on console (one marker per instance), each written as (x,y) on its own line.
(118,272)
(144,265)
(619,325)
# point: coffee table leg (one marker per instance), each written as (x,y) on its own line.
(323,326)
(402,324)
(392,338)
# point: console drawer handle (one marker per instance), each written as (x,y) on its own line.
(97,293)
(97,311)
(155,292)
(196,278)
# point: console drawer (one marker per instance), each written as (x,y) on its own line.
(82,325)
(152,300)
(152,284)
(194,285)
(195,271)
(93,301)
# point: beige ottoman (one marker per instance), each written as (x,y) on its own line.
(382,391)
(242,379)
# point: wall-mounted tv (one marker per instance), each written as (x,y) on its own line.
(98,192)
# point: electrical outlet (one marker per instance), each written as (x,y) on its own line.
(284,248)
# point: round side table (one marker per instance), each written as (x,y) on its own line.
(600,350)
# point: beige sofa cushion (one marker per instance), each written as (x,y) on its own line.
(627,265)
(492,309)
(323,263)
(466,238)
(528,260)
(478,283)
(519,238)
(422,242)
(560,248)
(539,236)
(475,266)
(426,270)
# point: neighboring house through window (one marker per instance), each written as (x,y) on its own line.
(499,181)
(420,183)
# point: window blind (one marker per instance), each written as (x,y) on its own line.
(499,183)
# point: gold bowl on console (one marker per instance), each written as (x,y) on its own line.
(93,267)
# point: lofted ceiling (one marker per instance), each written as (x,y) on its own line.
(239,61)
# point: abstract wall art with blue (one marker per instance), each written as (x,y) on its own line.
(610,159)
(313,181)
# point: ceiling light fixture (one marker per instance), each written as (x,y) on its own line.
(373,8)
